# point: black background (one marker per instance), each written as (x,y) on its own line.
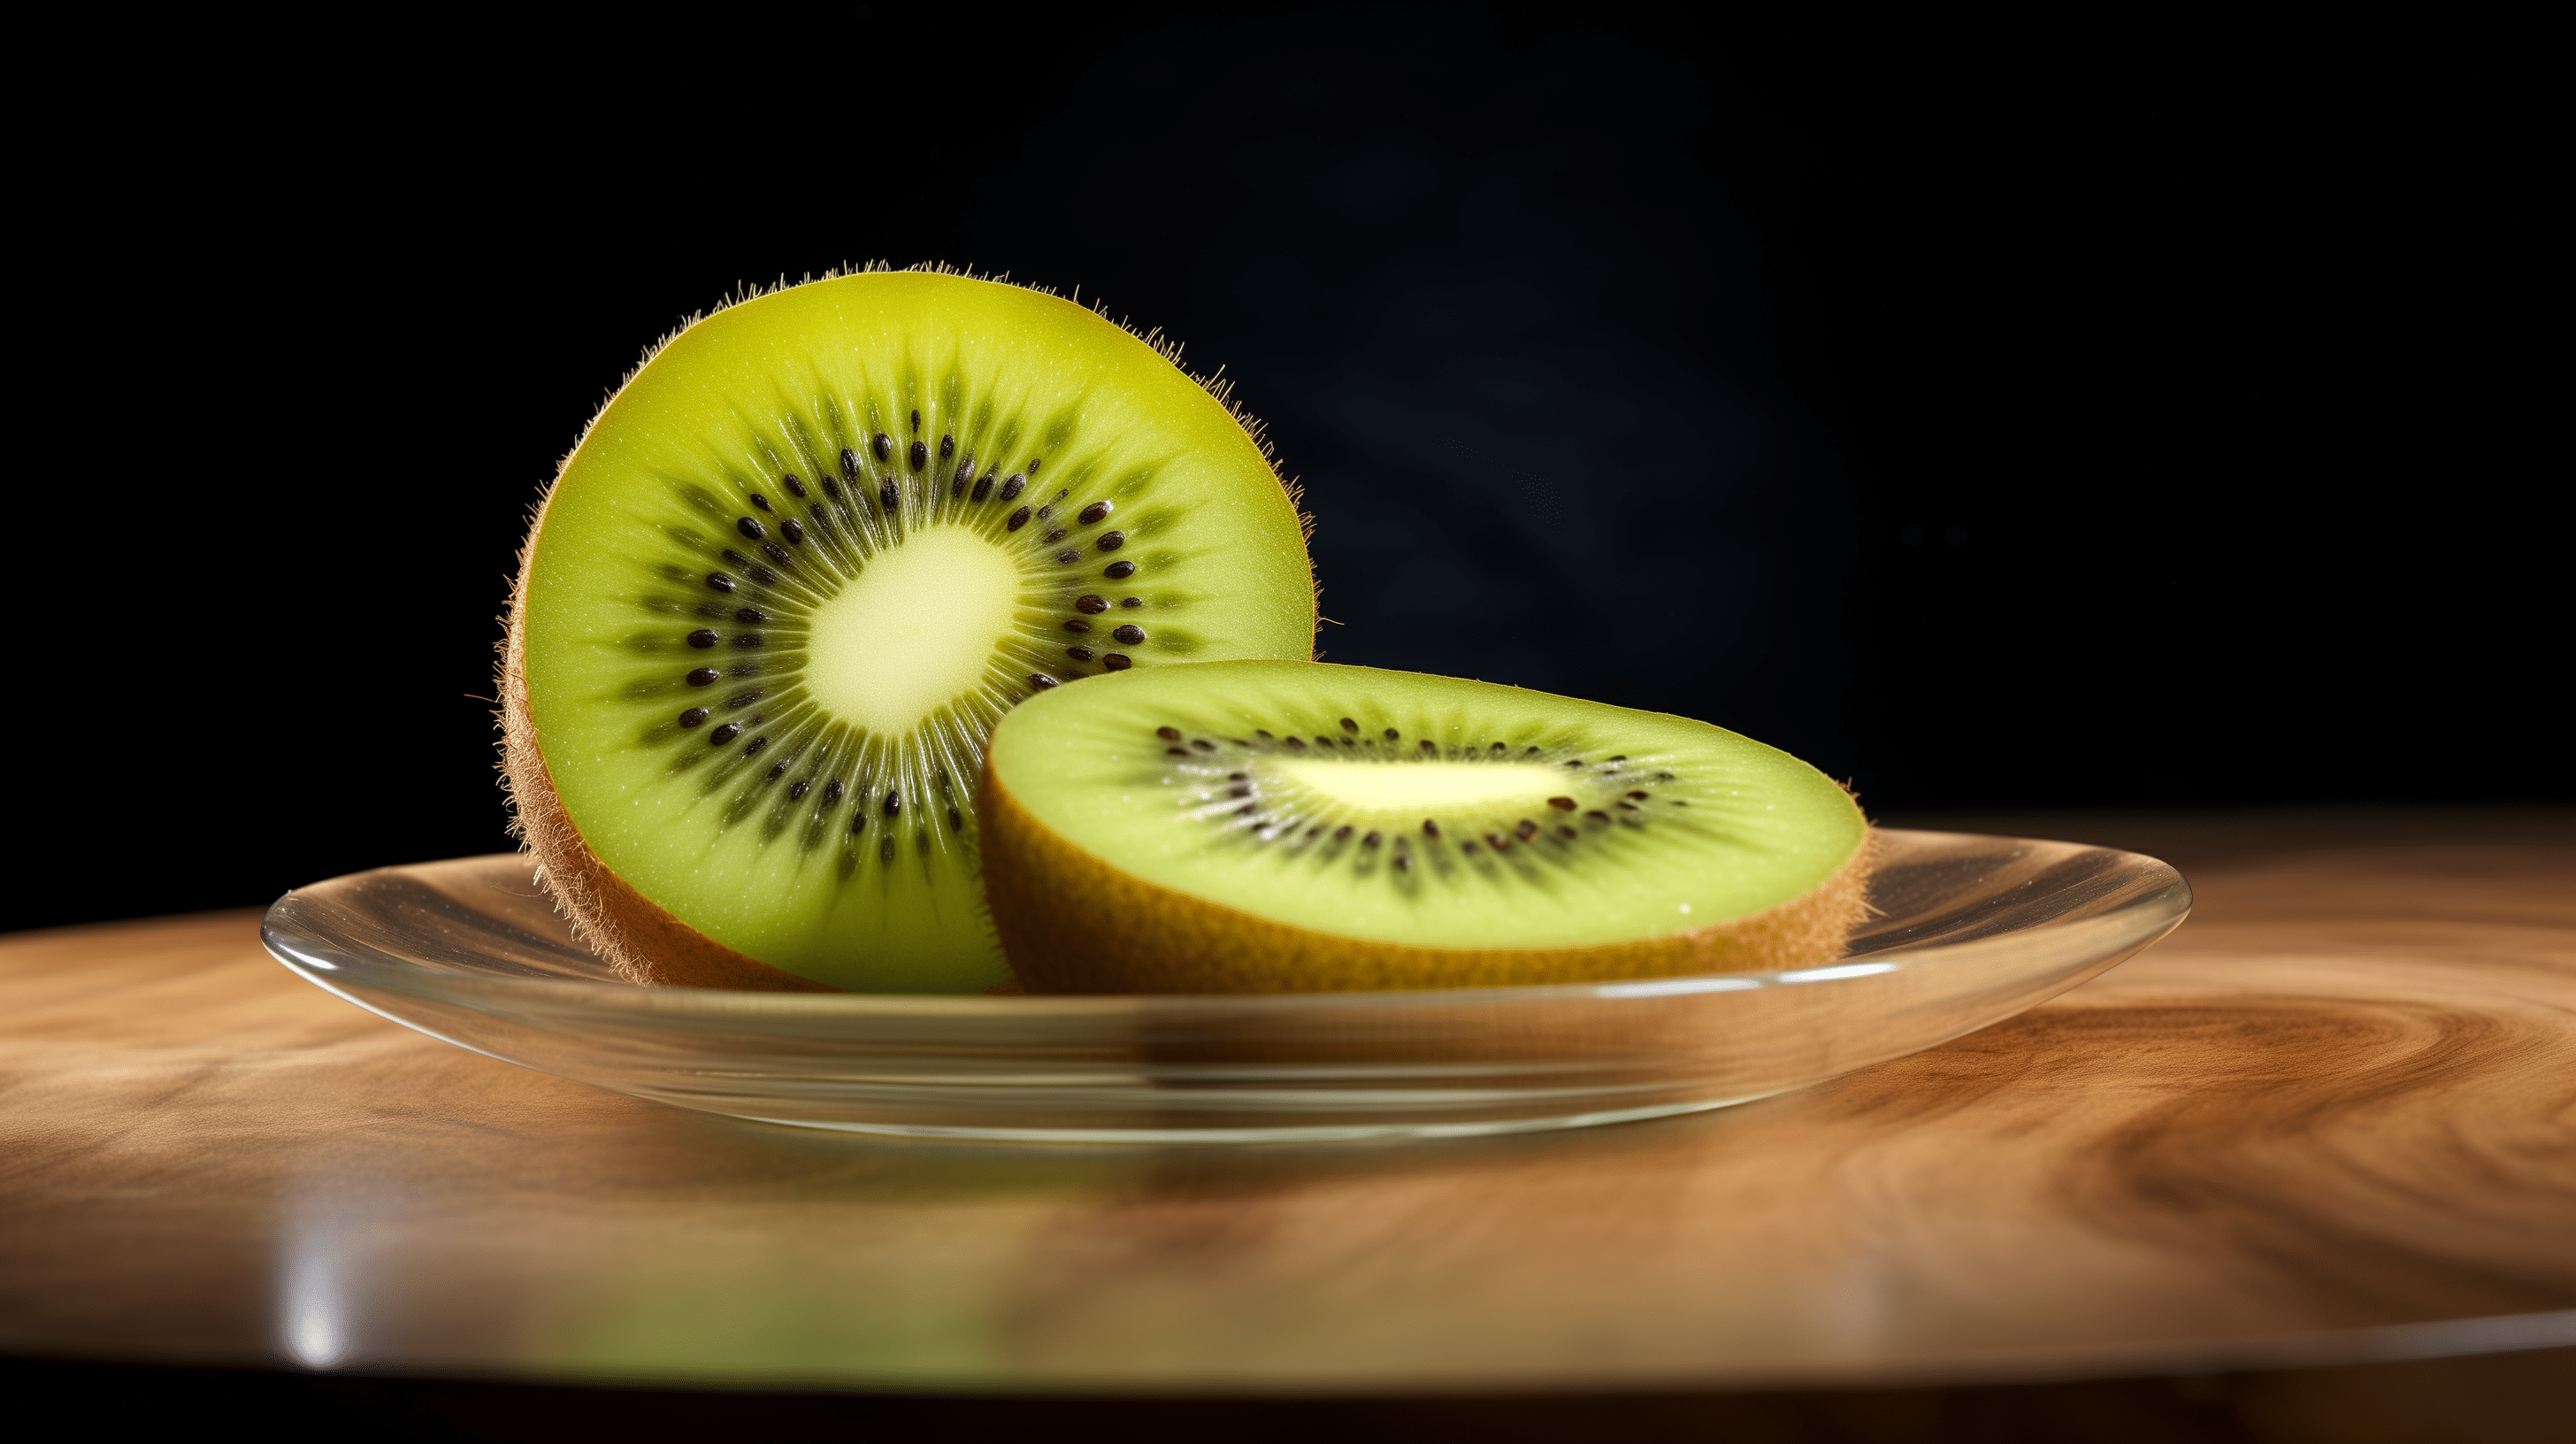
(2117,416)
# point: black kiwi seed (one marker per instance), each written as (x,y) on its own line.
(1564,831)
(1596,817)
(1296,744)
(1077,624)
(1625,806)
(703,638)
(1467,847)
(1168,734)
(916,421)
(983,488)
(1131,634)
(1663,777)
(724,733)
(1430,828)
(883,446)
(778,769)
(1238,777)
(1011,486)
(1094,606)
(1033,466)
(693,717)
(760,501)
(1111,541)
(1093,514)
(956,819)
(849,464)
(832,488)
(1042,681)
(1066,559)
(1119,571)
(1117,661)
(1498,842)
(752,616)
(919,456)
(1500,749)
(704,677)
(1046,512)
(799,788)
(832,790)
(1561,804)
(1394,736)
(1176,752)
(1018,519)
(794,487)
(774,552)
(1373,839)
(1131,603)
(752,748)
(1403,862)
(1350,726)
(1527,829)
(1239,790)
(1342,833)
(748,640)
(1640,796)
(894,802)
(719,582)
(859,820)
(888,495)
(1429,746)
(1203,744)
(947,447)
(740,700)
(1574,762)
(793,530)
(1079,654)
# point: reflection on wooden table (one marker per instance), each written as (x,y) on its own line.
(2328,1120)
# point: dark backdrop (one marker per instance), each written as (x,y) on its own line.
(2010,418)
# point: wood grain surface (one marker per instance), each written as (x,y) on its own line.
(2332,1119)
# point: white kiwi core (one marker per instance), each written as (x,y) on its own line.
(1404,787)
(916,629)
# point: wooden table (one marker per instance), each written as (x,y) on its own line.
(2331,1120)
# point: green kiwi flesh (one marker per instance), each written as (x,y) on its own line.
(1276,826)
(805,559)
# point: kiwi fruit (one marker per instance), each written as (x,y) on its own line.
(1261,827)
(800,564)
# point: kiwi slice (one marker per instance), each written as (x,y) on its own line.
(797,568)
(1256,827)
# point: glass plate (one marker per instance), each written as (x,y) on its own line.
(1967,930)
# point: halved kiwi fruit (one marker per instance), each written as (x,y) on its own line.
(797,568)
(1255,827)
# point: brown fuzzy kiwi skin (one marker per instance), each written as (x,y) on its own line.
(1072,923)
(644,943)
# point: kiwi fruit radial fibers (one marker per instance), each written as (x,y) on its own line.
(1255,827)
(798,567)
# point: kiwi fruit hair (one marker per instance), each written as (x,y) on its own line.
(800,564)
(1262,827)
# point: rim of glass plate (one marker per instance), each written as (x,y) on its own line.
(2131,922)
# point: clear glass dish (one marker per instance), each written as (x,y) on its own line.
(1968,930)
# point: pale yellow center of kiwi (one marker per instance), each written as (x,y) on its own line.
(914,630)
(1406,787)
